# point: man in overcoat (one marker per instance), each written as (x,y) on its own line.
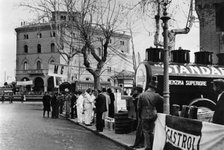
(100,109)
(147,112)
(47,104)
(218,86)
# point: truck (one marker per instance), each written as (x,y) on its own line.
(189,83)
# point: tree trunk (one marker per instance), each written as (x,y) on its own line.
(97,82)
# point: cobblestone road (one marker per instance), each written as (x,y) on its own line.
(23,128)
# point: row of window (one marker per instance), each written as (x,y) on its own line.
(39,35)
(38,65)
(101,39)
(26,48)
(53,34)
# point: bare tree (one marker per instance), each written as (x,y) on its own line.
(86,30)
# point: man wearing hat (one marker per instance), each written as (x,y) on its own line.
(218,86)
(147,104)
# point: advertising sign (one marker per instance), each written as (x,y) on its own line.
(190,70)
(177,133)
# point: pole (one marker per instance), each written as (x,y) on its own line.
(166,90)
(4,77)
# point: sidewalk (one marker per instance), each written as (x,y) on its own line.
(125,140)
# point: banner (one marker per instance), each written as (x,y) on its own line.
(24,82)
(176,133)
(57,70)
(57,81)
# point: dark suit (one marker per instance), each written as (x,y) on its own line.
(47,104)
(73,101)
(218,116)
(100,108)
(111,105)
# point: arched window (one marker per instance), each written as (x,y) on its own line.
(38,48)
(25,65)
(39,35)
(25,49)
(26,36)
(52,61)
(52,34)
(52,47)
(38,65)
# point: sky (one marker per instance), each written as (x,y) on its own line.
(12,15)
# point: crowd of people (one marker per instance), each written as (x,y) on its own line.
(10,98)
(94,106)
(85,106)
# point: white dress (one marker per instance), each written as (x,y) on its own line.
(88,107)
(79,107)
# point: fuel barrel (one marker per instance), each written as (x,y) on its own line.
(123,124)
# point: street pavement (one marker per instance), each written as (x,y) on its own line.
(22,127)
(127,140)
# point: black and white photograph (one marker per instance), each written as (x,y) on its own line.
(112,74)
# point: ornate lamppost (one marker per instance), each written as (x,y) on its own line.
(166,90)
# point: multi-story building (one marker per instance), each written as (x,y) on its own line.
(211,14)
(36,49)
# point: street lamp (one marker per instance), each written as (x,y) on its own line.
(166,90)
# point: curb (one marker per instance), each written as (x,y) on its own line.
(98,133)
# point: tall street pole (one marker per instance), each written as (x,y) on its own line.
(166,90)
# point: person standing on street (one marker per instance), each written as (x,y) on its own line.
(47,104)
(93,96)
(3,97)
(111,105)
(73,102)
(67,103)
(11,97)
(100,109)
(61,102)
(139,137)
(148,113)
(22,98)
(218,86)
(79,106)
(106,113)
(53,105)
(88,107)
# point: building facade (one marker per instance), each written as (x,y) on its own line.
(211,14)
(36,49)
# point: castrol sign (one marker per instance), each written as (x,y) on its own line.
(178,133)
